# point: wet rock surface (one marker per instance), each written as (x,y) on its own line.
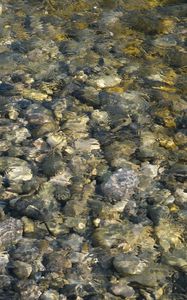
(93,143)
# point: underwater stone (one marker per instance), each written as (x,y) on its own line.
(5,88)
(4,260)
(177,58)
(73,241)
(107,81)
(50,295)
(5,281)
(119,105)
(153,276)
(128,264)
(7,162)
(52,164)
(158,213)
(100,118)
(88,95)
(165,41)
(62,193)
(176,258)
(28,225)
(35,95)
(178,170)
(19,173)
(21,134)
(28,250)
(87,145)
(28,289)
(10,232)
(21,269)
(56,140)
(120,184)
(121,288)
(57,261)
(108,236)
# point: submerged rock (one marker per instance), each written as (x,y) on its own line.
(30,251)
(4,260)
(11,162)
(122,289)
(6,88)
(5,281)
(128,264)
(28,289)
(127,236)
(57,261)
(153,276)
(107,81)
(87,145)
(121,184)
(52,164)
(19,173)
(124,103)
(21,269)
(10,232)
(176,258)
(50,295)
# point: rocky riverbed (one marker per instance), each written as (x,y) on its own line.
(93,115)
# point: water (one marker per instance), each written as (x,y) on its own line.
(88,90)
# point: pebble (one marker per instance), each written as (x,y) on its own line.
(87,145)
(28,289)
(35,95)
(28,225)
(4,260)
(19,173)
(149,170)
(122,289)
(5,281)
(21,269)
(121,184)
(165,41)
(50,295)
(107,81)
(10,232)
(176,258)
(128,264)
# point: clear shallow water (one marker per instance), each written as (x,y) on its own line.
(93,150)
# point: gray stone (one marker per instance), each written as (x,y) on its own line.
(50,295)
(121,184)
(122,289)
(10,232)
(21,269)
(128,264)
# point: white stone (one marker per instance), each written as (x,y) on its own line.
(19,173)
(62,178)
(21,134)
(149,170)
(87,145)
(108,81)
